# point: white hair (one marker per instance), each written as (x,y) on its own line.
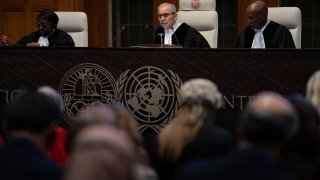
(313,90)
(172,6)
(202,89)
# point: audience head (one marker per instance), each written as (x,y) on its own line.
(167,15)
(93,114)
(269,120)
(200,99)
(305,141)
(54,95)
(313,89)
(309,119)
(32,111)
(97,113)
(33,116)
(100,152)
(127,123)
(200,96)
(47,21)
(257,14)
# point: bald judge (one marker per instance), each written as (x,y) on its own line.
(261,32)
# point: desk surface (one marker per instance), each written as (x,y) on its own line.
(146,80)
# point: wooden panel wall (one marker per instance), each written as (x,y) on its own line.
(97,12)
(18,17)
(242,6)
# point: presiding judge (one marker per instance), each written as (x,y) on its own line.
(173,32)
(47,34)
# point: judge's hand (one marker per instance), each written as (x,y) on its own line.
(5,41)
(33,44)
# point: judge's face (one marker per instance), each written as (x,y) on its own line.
(44,26)
(256,19)
(166,17)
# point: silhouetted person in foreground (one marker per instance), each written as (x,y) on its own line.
(31,120)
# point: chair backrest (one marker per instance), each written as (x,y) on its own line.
(203,18)
(290,17)
(75,24)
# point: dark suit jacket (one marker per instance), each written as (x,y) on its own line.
(275,36)
(58,38)
(241,164)
(22,160)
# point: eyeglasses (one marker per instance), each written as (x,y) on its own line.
(44,25)
(165,15)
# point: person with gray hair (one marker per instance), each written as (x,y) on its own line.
(173,32)
(192,134)
(313,89)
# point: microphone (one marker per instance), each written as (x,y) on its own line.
(174,34)
(148,28)
(118,34)
(161,39)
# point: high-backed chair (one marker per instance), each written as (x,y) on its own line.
(203,18)
(290,17)
(75,24)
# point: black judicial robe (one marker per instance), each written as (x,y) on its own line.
(186,36)
(58,38)
(275,36)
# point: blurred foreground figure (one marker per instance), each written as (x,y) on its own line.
(193,134)
(266,127)
(58,151)
(100,153)
(119,120)
(313,89)
(31,121)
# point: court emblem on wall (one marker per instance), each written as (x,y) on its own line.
(84,85)
(149,93)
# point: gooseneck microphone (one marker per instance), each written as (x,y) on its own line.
(174,34)
(118,34)
(148,27)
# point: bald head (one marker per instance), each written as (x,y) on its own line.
(269,119)
(52,93)
(257,6)
(257,14)
(271,103)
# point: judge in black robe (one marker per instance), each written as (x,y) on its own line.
(47,34)
(186,36)
(182,34)
(57,38)
(274,34)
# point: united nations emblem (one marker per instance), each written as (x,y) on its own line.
(86,84)
(151,95)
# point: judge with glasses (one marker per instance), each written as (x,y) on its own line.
(172,32)
(47,34)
